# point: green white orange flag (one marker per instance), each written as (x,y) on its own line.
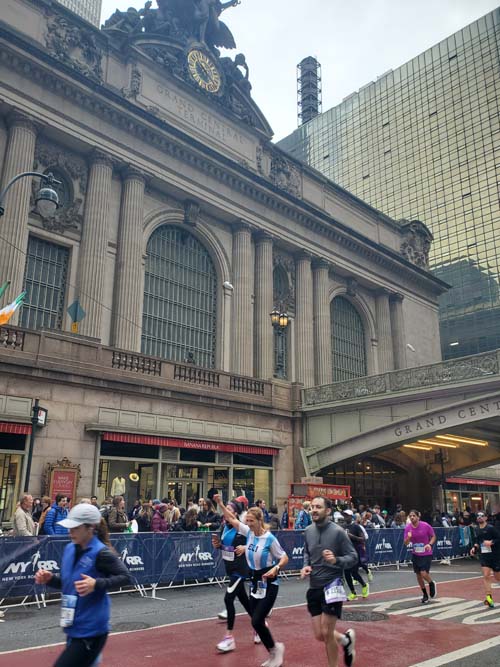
(8,311)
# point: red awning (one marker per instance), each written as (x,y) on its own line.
(475,482)
(18,429)
(161,441)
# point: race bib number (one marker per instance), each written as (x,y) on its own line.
(485,549)
(335,592)
(419,548)
(68,606)
(260,591)
(227,553)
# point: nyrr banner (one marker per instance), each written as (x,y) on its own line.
(21,557)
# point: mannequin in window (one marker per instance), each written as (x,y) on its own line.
(118,486)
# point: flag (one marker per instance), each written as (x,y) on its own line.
(7,312)
(4,287)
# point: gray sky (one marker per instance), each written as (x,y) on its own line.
(354,40)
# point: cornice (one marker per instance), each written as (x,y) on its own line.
(103,102)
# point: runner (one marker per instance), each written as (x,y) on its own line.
(327,553)
(266,558)
(487,545)
(232,545)
(89,568)
(422,536)
(357,537)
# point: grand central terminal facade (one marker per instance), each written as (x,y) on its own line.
(146,332)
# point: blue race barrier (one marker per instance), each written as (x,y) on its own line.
(177,558)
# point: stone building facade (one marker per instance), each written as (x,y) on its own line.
(181,227)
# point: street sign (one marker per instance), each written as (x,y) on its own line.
(42,416)
(76,312)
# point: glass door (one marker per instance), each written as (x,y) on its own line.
(184,492)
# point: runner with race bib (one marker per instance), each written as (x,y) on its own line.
(421,536)
(487,546)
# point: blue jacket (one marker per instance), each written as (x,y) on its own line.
(92,611)
(50,525)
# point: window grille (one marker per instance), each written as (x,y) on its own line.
(348,341)
(180,299)
(45,283)
(281,292)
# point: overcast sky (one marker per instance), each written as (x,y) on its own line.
(354,40)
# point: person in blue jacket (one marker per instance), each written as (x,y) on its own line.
(89,569)
(58,512)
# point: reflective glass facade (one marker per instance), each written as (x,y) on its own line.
(420,143)
(87,9)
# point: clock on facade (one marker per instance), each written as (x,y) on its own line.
(204,70)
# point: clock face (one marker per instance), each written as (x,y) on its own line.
(204,71)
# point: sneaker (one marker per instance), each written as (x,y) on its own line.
(354,582)
(276,655)
(370,575)
(425,599)
(352,596)
(222,615)
(432,589)
(226,645)
(489,602)
(256,638)
(365,591)
(350,647)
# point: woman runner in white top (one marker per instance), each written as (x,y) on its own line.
(265,557)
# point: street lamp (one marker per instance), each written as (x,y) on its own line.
(280,321)
(46,198)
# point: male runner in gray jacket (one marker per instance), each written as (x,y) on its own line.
(327,552)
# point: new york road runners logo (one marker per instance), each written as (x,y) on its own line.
(195,558)
(26,568)
(458,610)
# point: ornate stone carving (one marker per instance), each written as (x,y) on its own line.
(74,46)
(191,212)
(416,244)
(50,155)
(285,175)
(351,287)
(284,293)
(135,84)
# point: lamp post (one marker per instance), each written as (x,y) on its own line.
(46,199)
(280,321)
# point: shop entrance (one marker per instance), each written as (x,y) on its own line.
(183,492)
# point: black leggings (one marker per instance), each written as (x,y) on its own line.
(239,592)
(260,609)
(81,652)
(351,574)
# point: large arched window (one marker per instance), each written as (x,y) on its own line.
(281,290)
(180,298)
(348,341)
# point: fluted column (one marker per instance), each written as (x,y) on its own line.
(19,157)
(242,339)
(398,330)
(384,331)
(304,321)
(94,244)
(263,306)
(128,301)
(321,322)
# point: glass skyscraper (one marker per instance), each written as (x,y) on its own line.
(87,9)
(423,142)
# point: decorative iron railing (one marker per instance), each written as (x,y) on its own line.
(137,363)
(196,375)
(247,385)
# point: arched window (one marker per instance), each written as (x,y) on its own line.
(348,341)
(180,298)
(281,290)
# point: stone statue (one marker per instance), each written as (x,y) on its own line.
(130,22)
(210,30)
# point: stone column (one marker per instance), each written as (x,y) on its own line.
(321,321)
(19,157)
(263,306)
(398,330)
(129,281)
(94,244)
(242,323)
(384,331)
(304,321)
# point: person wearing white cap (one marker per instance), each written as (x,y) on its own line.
(89,569)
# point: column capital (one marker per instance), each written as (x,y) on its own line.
(242,226)
(99,157)
(261,236)
(17,118)
(130,172)
(303,256)
(319,263)
(382,291)
(397,297)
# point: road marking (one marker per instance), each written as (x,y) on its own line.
(461,653)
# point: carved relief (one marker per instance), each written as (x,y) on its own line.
(74,46)
(191,212)
(284,290)
(416,243)
(285,175)
(135,84)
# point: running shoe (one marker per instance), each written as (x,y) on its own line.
(222,615)
(489,602)
(276,654)
(432,589)
(352,596)
(226,645)
(370,575)
(365,591)
(256,638)
(350,647)
(425,599)
(355,582)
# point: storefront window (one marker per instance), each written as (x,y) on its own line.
(119,478)
(10,484)
(254,483)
